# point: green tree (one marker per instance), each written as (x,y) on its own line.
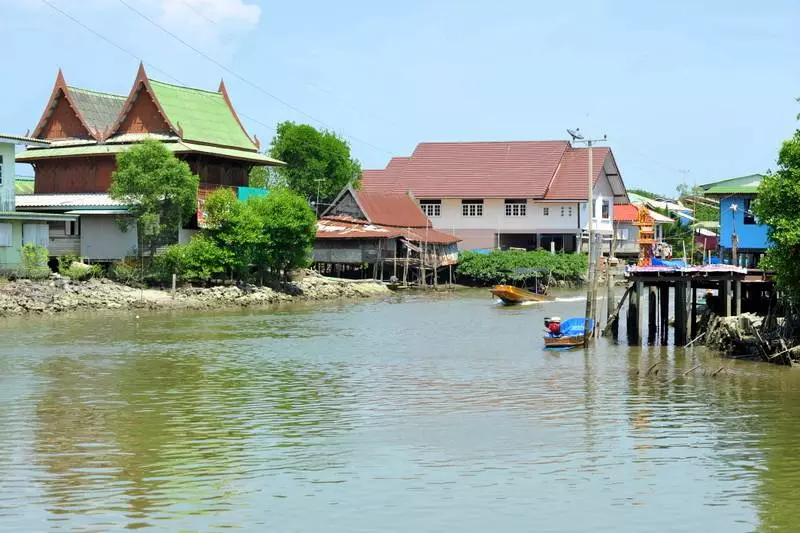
(289,229)
(316,161)
(159,189)
(778,205)
(235,229)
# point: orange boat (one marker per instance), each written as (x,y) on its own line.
(511,295)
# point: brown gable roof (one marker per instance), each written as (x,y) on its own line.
(472,169)
(61,117)
(551,170)
(571,179)
(392,209)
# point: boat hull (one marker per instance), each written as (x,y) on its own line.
(563,342)
(572,333)
(511,295)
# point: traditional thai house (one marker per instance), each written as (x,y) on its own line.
(388,233)
(86,130)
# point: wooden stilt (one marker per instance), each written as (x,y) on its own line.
(681,318)
(693,317)
(663,318)
(634,333)
(652,321)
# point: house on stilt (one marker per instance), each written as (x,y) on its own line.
(382,236)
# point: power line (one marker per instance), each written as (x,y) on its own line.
(245,80)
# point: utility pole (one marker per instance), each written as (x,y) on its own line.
(591,290)
(316,204)
(734,237)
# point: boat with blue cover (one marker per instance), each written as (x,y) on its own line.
(570,334)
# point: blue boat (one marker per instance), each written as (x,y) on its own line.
(570,335)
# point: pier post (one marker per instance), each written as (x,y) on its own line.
(634,333)
(681,318)
(652,325)
(737,297)
(663,326)
(725,298)
(693,318)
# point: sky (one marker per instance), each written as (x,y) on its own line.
(685,91)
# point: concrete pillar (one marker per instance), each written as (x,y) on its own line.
(663,326)
(737,297)
(725,298)
(652,325)
(634,300)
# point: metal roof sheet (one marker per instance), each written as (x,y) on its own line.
(21,139)
(741,185)
(341,227)
(67,200)
(22,215)
(114,148)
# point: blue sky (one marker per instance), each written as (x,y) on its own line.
(677,86)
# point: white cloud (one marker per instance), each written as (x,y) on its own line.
(209,19)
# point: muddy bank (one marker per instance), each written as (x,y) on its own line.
(61,295)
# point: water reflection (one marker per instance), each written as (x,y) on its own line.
(387,415)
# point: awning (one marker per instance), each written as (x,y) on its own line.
(22,215)
(98,212)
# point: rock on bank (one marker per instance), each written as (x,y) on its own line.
(62,295)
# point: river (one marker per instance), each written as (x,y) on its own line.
(413,413)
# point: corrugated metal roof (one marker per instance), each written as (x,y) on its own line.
(114,148)
(202,115)
(341,227)
(67,200)
(741,185)
(99,110)
(23,185)
(21,139)
(22,215)
(391,209)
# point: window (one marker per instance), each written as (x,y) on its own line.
(606,209)
(622,234)
(431,208)
(546,211)
(38,234)
(5,234)
(72,228)
(563,210)
(570,211)
(516,208)
(749,217)
(472,208)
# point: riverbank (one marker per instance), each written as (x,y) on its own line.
(61,295)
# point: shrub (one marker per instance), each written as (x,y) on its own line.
(199,260)
(127,272)
(68,268)
(498,267)
(34,263)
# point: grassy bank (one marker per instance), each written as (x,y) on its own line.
(498,267)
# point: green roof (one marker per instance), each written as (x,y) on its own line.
(112,149)
(23,185)
(741,185)
(204,116)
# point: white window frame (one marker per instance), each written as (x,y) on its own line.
(471,208)
(516,208)
(569,211)
(546,211)
(431,208)
(605,205)
(623,234)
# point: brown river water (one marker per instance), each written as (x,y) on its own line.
(412,413)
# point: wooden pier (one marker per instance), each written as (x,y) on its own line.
(738,290)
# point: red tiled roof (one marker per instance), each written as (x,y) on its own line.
(471,169)
(344,227)
(571,178)
(392,209)
(625,213)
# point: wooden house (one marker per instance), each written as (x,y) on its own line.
(386,232)
(86,129)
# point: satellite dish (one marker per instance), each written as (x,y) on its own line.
(575,134)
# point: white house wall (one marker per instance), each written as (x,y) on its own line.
(7,170)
